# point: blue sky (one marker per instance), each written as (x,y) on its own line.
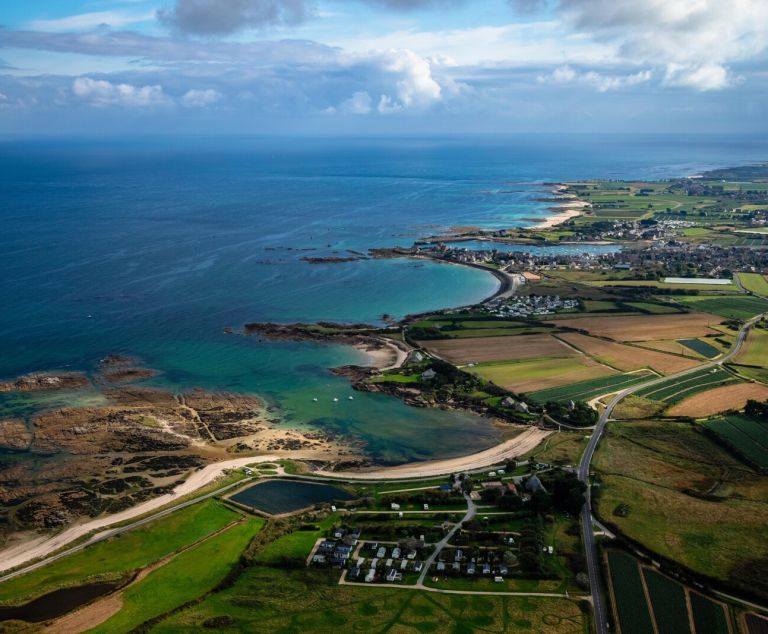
(383,66)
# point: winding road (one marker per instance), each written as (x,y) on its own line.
(587,518)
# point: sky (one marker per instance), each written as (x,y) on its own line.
(383,66)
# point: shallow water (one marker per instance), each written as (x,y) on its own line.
(151,248)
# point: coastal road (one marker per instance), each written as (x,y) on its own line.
(588,533)
(100,537)
(471,511)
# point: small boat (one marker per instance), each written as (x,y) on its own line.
(335,400)
(351,398)
(315,400)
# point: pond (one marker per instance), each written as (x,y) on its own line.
(56,603)
(283,496)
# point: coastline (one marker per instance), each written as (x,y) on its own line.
(26,551)
(570,207)
(521,444)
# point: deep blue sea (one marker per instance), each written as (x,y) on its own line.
(151,247)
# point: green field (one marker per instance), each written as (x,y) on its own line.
(744,434)
(755,350)
(510,373)
(293,601)
(677,389)
(633,614)
(185,578)
(731,288)
(732,306)
(668,601)
(702,347)
(118,557)
(600,306)
(294,546)
(687,499)
(396,378)
(654,309)
(754,282)
(708,617)
(586,390)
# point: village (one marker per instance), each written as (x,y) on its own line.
(496,539)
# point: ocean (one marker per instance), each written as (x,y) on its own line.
(151,247)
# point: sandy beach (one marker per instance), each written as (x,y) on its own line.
(571,207)
(26,550)
(390,356)
(527,441)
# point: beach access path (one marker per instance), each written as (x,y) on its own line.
(44,547)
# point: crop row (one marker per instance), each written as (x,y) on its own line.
(677,389)
(585,390)
(745,435)
(666,605)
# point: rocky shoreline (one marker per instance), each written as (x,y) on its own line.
(84,462)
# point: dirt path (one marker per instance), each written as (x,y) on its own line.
(525,442)
(44,546)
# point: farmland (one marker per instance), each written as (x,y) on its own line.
(681,286)
(644,327)
(754,282)
(664,609)
(732,306)
(586,390)
(702,347)
(709,617)
(627,358)
(745,435)
(677,389)
(720,399)
(686,498)
(668,602)
(186,577)
(629,598)
(270,599)
(755,350)
(117,558)
(498,348)
(538,374)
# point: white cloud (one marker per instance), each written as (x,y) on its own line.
(706,77)
(414,86)
(104,93)
(359,103)
(85,21)
(200,98)
(696,39)
(598,81)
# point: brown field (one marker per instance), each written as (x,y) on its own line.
(645,327)
(481,350)
(670,345)
(720,399)
(628,358)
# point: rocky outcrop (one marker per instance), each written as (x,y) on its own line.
(39,381)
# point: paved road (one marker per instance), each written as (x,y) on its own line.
(588,535)
(471,511)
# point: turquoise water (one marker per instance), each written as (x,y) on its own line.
(284,496)
(151,247)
